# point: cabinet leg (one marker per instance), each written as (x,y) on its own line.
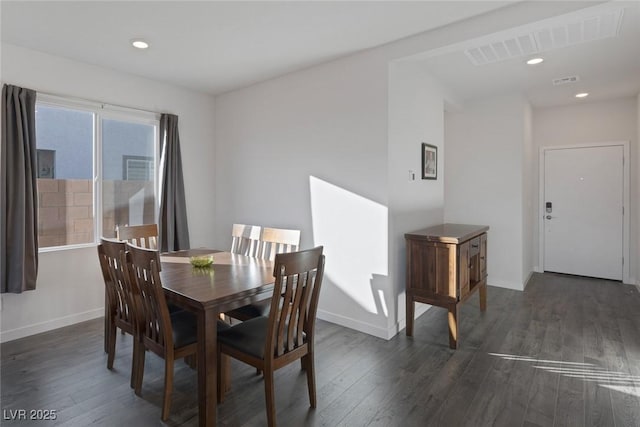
(410,315)
(453,326)
(483,296)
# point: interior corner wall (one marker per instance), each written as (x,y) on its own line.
(70,287)
(484,180)
(593,122)
(416,115)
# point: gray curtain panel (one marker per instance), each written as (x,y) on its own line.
(18,191)
(174,231)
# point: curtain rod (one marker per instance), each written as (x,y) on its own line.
(94,102)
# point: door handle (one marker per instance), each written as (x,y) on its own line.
(549,217)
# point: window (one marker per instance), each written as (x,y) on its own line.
(96,170)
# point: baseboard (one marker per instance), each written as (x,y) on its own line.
(358,325)
(526,281)
(505,284)
(537,269)
(419,310)
(368,328)
(36,328)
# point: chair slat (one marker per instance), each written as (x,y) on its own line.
(144,236)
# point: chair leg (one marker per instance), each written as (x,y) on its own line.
(111,345)
(269,394)
(168,387)
(134,362)
(139,369)
(311,378)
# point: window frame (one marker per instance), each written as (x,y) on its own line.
(100,112)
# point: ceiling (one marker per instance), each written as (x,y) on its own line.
(216,46)
(607,68)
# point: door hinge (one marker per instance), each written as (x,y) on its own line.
(623,261)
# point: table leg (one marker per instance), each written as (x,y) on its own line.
(207,370)
(410,315)
(453,326)
(483,296)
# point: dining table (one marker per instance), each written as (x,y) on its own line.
(232,281)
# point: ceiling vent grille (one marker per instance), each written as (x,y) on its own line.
(555,36)
(564,80)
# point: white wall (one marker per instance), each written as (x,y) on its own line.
(70,287)
(484,181)
(416,115)
(637,181)
(592,122)
(309,151)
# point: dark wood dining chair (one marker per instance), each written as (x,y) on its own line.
(272,242)
(245,239)
(169,335)
(145,236)
(287,334)
(120,303)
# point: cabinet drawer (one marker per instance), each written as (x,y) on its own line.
(474,247)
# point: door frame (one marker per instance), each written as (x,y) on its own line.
(625,200)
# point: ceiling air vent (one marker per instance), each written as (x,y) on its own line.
(554,36)
(564,80)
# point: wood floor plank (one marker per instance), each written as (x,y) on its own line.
(564,352)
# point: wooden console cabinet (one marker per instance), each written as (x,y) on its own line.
(446,264)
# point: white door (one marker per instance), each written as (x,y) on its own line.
(583,218)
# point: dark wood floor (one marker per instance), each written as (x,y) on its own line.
(565,352)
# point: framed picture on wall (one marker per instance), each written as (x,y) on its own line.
(429,161)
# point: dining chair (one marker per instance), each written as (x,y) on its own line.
(245,239)
(145,236)
(278,240)
(272,241)
(287,334)
(120,302)
(169,335)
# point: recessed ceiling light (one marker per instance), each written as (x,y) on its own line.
(582,95)
(535,61)
(140,44)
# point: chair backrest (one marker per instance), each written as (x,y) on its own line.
(278,240)
(120,293)
(245,239)
(143,265)
(298,278)
(145,236)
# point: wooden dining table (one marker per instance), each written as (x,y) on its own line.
(231,282)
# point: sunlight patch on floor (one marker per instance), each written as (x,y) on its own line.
(588,372)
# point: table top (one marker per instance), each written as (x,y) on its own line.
(448,233)
(231,277)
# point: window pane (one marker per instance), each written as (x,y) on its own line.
(64,139)
(128,169)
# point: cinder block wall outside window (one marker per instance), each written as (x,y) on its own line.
(66,209)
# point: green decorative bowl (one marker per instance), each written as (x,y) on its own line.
(201,261)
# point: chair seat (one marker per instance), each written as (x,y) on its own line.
(185,328)
(249,336)
(250,311)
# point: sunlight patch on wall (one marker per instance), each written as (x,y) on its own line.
(354,233)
